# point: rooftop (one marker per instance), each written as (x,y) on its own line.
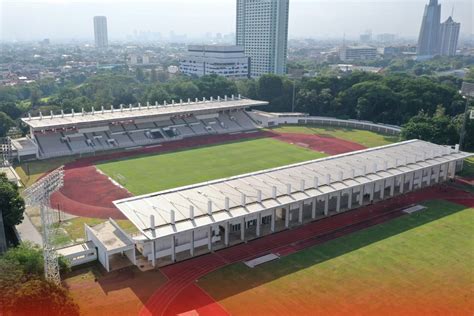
(111,237)
(199,205)
(139,112)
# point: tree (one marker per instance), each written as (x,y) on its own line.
(153,75)
(214,86)
(23,288)
(438,129)
(5,124)
(270,87)
(140,75)
(10,109)
(11,203)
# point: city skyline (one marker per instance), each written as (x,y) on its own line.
(52,18)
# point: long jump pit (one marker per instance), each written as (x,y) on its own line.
(89,193)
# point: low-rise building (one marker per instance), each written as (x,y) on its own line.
(350,53)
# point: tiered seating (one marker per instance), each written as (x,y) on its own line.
(51,145)
(132,135)
(231,125)
(243,120)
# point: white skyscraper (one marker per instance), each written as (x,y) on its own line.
(100,32)
(262,29)
(449,36)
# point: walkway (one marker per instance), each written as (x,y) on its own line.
(28,232)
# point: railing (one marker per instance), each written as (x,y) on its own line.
(365,125)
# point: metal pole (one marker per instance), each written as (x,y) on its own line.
(294,92)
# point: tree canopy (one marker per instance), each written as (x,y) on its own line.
(11,203)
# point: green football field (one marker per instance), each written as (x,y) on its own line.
(423,263)
(153,173)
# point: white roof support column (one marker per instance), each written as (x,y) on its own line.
(288,189)
(392,187)
(242,229)
(227,203)
(272,224)
(382,189)
(191,244)
(243,199)
(209,238)
(338,202)
(313,208)
(300,213)
(372,191)
(349,200)
(153,253)
(287,216)
(361,195)
(259,196)
(274,192)
(326,204)
(259,221)
(402,183)
(412,179)
(173,248)
(226,233)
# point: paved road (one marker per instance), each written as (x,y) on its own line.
(28,232)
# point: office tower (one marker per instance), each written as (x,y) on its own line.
(353,53)
(449,35)
(100,32)
(226,61)
(262,29)
(428,41)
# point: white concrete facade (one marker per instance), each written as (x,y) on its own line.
(227,61)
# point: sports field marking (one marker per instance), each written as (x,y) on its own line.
(157,172)
(261,260)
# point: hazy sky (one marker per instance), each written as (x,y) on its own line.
(65,19)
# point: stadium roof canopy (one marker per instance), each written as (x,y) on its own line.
(186,208)
(104,116)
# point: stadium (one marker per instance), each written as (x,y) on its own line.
(210,183)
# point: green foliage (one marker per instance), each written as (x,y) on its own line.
(5,124)
(24,290)
(438,128)
(11,203)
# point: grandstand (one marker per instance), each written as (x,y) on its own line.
(134,126)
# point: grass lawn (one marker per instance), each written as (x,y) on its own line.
(365,138)
(417,264)
(153,173)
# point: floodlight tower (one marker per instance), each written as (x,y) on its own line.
(38,195)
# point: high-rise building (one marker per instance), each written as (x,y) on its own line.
(226,61)
(100,32)
(449,36)
(428,41)
(262,29)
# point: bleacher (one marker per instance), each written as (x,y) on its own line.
(69,134)
(133,135)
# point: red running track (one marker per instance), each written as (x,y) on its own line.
(88,193)
(170,300)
